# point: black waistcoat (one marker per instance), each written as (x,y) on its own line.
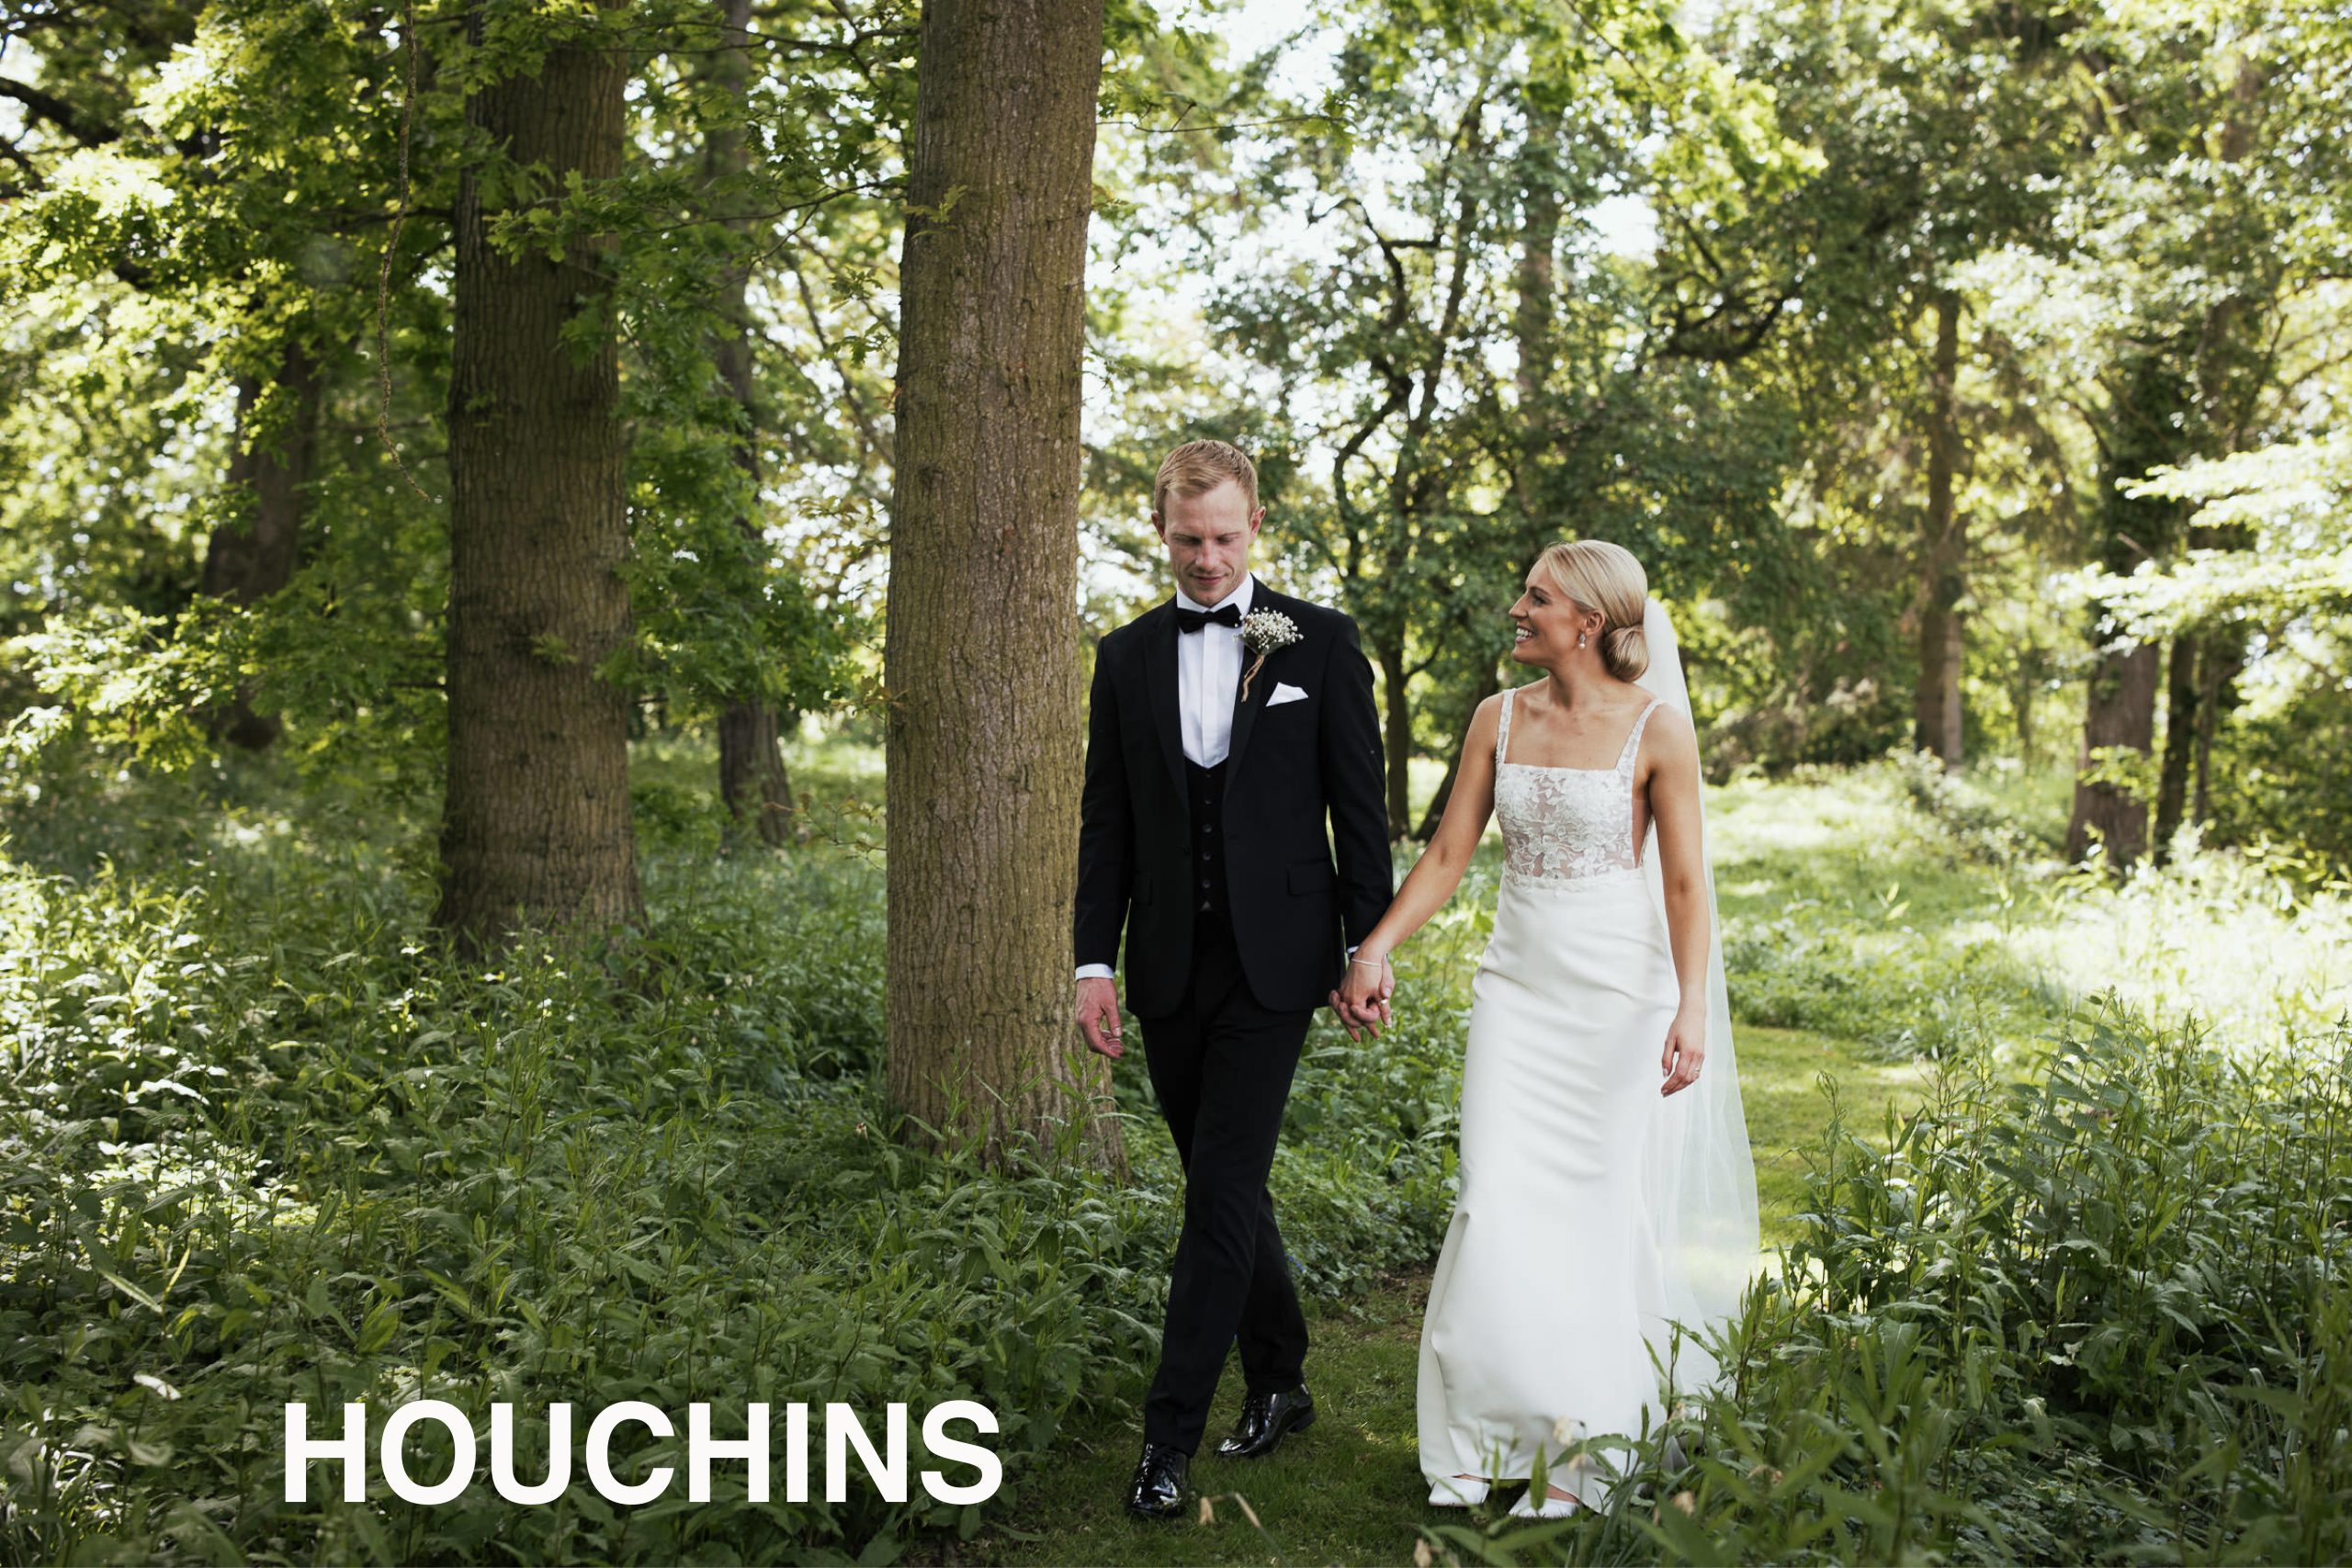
(1207,788)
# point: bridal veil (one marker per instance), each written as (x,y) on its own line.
(1699,1178)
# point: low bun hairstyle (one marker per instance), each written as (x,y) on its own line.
(1605,577)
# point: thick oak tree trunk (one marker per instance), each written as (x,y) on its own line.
(251,557)
(535,823)
(982,657)
(1937,716)
(752,778)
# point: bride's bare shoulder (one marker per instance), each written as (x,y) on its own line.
(1667,736)
(1485,719)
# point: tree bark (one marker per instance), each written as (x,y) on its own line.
(1397,721)
(982,656)
(1942,645)
(2121,711)
(1534,333)
(2121,714)
(2181,695)
(1459,729)
(752,778)
(1532,324)
(2025,685)
(2217,680)
(248,560)
(535,823)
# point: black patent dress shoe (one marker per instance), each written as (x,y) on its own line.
(1266,1418)
(1157,1490)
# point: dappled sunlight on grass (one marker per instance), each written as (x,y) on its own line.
(2210,936)
(1780,1072)
(1853,910)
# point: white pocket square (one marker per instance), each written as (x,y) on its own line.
(1284,693)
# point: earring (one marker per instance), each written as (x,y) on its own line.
(1580,639)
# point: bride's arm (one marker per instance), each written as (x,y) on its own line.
(1437,873)
(1673,752)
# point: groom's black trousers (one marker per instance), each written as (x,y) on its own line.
(1221,1067)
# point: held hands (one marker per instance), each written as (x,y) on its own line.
(1098,1017)
(1362,1000)
(1686,1048)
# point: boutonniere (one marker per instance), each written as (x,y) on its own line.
(1262,631)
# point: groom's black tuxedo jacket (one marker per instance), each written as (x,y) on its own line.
(1290,765)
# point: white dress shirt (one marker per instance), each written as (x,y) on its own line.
(1208,674)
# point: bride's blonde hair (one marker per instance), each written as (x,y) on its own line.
(1605,577)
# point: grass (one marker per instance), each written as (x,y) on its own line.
(1346,1490)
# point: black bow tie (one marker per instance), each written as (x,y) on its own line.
(1227,616)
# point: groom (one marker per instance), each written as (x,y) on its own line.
(1202,833)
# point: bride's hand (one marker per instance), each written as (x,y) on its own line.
(1686,1051)
(1362,1000)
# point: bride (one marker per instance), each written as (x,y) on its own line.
(1598,1206)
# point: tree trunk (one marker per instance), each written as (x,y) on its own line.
(1943,644)
(1459,728)
(1536,341)
(2120,714)
(752,778)
(1531,325)
(535,823)
(2180,740)
(982,656)
(253,557)
(1399,721)
(2025,689)
(2216,692)
(1533,335)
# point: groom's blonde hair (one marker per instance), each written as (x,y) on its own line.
(1199,467)
(1605,577)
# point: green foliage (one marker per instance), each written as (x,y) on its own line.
(270,1141)
(1817,968)
(271,1145)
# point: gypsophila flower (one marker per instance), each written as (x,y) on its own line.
(1262,631)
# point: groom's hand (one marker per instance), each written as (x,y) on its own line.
(1098,1017)
(1362,1000)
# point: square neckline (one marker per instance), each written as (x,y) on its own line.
(1502,744)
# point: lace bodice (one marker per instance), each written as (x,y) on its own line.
(1566,824)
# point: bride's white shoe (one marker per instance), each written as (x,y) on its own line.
(1551,1508)
(1458,1492)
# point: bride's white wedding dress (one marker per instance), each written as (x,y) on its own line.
(1592,1210)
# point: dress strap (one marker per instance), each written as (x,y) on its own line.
(1634,741)
(1502,729)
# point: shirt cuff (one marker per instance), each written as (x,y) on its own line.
(1094,970)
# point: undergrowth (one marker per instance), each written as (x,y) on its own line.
(263,1139)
